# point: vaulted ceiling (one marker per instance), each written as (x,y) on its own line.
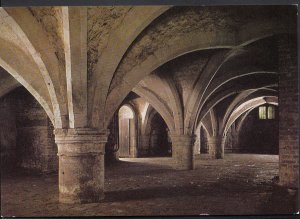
(80,63)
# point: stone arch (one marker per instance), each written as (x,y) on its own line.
(244,107)
(198,135)
(204,127)
(188,43)
(201,124)
(244,92)
(175,102)
(112,55)
(158,83)
(232,92)
(206,85)
(226,79)
(148,124)
(214,122)
(149,115)
(211,78)
(242,119)
(203,82)
(132,109)
(146,132)
(21,67)
(35,39)
(161,108)
(206,122)
(241,97)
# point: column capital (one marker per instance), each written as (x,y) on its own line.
(80,141)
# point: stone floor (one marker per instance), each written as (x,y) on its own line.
(238,184)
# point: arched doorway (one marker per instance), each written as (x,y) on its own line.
(203,141)
(160,144)
(127,132)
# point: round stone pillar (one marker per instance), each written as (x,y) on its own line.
(81,164)
(183,151)
(216,147)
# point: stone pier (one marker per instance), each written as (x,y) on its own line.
(81,165)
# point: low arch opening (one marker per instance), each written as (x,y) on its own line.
(159,142)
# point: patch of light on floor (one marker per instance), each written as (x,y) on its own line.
(128,160)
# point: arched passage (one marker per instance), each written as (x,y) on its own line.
(159,140)
(200,145)
(127,132)
(203,140)
(189,42)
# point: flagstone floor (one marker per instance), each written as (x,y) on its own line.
(239,184)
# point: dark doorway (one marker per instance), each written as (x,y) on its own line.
(160,144)
(203,141)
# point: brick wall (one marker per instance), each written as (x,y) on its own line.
(8,134)
(34,148)
(288,112)
(259,136)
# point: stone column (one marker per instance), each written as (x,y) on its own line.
(81,164)
(183,151)
(216,147)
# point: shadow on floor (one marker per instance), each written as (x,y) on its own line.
(220,188)
(281,201)
(137,169)
(155,192)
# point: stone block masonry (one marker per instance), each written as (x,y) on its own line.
(288,112)
(8,132)
(30,143)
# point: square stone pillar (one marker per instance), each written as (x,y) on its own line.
(216,147)
(183,151)
(81,164)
